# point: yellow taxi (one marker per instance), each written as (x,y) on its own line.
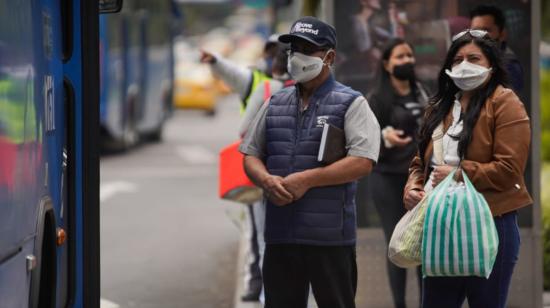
(195,86)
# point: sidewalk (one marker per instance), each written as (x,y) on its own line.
(373,287)
(237,303)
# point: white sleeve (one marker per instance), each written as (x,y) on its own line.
(255,102)
(237,77)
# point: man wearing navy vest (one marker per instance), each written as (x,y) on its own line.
(310,213)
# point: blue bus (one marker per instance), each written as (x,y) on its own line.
(49,167)
(137,72)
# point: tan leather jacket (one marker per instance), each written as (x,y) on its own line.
(496,157)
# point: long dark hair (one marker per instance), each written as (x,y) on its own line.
(383,91)
(444,99)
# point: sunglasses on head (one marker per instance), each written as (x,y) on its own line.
(472,32)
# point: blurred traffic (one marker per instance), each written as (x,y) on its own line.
(196,86)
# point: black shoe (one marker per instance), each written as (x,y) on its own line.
(251,297)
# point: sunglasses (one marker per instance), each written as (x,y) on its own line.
(472,32)
(306,50)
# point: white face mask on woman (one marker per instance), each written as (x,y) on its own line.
(468,76)
(304,68)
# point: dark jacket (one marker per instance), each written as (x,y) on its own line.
(324,215)
(513,68)
(401,113)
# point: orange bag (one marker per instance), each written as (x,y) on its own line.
(234,184)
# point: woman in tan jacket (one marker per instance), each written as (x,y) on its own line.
(487,134)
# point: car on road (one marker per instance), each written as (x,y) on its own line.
(195,87)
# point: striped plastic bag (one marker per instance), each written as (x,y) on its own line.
(405,245)
(460,237)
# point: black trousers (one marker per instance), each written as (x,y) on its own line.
(387,194)
(289,269)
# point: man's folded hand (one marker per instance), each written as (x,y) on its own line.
(275,191)
(296,184)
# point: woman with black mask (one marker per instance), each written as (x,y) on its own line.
(398,102)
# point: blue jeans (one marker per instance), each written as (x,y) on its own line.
(450,292)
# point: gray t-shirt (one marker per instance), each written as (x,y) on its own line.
(361,129)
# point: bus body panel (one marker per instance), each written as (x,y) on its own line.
(21,137)
(34,146)
(158,68)
(137,68)
(120,72)
(14,285)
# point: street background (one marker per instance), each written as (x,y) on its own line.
(167,240)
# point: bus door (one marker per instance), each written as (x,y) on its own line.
(54,103)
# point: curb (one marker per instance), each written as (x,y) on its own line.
(237,303)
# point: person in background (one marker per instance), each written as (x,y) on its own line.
(369,28)
(398,102)
(310,212)
(365,32)
(491,19)
(246,81)
(240,79)
(280,79)
(487,135)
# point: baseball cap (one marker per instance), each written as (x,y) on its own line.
(272,41)
(312,30)
(273,38)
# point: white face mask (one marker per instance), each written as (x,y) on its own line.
(261,65)
(282,77)
(468,76)
(304,68)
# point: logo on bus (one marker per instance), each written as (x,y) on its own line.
(47,35)
(49,108)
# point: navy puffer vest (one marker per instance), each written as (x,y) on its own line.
(324,215)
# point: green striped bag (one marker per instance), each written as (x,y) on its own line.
(460,237)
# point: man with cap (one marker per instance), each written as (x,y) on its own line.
(310,230)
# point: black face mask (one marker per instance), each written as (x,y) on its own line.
(404,71)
